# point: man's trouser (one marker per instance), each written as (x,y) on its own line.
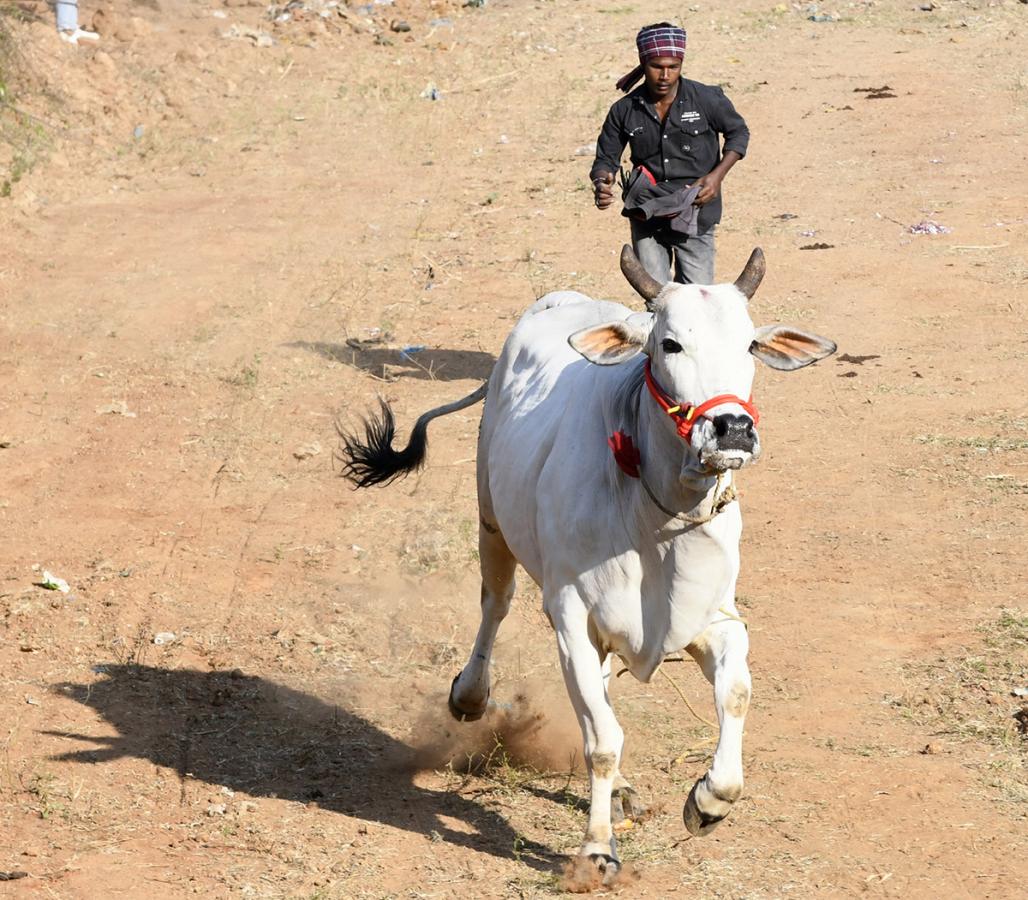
(67,15)
(656,245)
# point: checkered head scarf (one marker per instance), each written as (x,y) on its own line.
(653,42)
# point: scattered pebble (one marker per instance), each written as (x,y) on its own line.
(115,408)
(876,93)
(357,344)
(927,226)
(164,637)
(51,582)
(245,33)
(586,150)
(217,809)
(431,92)
(307,450)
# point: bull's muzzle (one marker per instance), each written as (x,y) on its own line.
(730,443)
(734,432)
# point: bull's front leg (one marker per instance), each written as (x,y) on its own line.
(721,652)
(583,665)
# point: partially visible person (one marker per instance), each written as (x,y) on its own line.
(674,127)
(68,23)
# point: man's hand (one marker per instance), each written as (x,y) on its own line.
(710,187)
(603,188)
(710,184)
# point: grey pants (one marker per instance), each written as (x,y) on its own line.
(67,15)
(657,245)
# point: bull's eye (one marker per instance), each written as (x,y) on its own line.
(671,346)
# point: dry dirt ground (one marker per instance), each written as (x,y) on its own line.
(213,247)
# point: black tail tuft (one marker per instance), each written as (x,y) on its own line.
(373,459)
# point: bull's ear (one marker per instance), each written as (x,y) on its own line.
(786,348)
(613,342)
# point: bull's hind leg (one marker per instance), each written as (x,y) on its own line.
(721,652)
(469,693)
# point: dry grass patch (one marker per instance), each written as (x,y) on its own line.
(980,697)
(23,138)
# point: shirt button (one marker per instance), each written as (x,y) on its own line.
(665,160)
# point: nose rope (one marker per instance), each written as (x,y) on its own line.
(720,498)
(686,415)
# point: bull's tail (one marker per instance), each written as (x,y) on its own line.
(373,459)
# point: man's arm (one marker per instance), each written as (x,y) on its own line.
(737,138)
(609,147)
(710,184)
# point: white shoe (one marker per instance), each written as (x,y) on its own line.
(79,34)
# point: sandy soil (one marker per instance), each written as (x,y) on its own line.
(214,248)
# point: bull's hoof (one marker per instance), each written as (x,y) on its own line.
(698,822)
(626,804)
(460,713)
(588,872)
(607,866)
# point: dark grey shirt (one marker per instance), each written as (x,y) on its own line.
(685,147)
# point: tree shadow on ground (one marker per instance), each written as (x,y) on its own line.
(252,735)
(391,364)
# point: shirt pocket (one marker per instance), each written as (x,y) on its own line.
(692,133)
(644,140)
(697,141)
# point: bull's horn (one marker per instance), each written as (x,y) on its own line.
(644,283)
(753,274)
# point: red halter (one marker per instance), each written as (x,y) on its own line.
(626,454)
(686,415)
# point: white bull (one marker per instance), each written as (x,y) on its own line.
(611,484)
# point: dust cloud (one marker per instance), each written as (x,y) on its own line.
(536,729)
(581,876)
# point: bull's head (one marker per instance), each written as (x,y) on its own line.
(701,345)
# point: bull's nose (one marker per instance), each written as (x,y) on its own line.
(734,432)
